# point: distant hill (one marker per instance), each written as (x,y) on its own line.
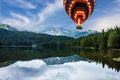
(65,32)
(55,31)
(8,37)
(7,27)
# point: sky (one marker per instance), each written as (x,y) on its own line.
(35,15)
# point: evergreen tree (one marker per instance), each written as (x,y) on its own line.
(114,40)
(0,44)
(103,42)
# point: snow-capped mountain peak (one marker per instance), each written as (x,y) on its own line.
(65,32)
(7,27)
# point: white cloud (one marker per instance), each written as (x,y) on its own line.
(21,4)
(109,19)
(107,22)
(50,9)
(16,20)
(38,1)
(33,22)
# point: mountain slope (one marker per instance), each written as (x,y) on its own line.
(65,32)
(55,31)
(7,27)
(27,38)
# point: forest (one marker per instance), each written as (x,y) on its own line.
(27,39)
(109,39)
(104,40)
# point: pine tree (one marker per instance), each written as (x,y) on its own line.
(114,40)
(103,42)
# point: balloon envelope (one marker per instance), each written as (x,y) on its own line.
(79,10)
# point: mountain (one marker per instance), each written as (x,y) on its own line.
(62,60)
(55,31)
(84,33)
(7,27)
(66,32)
(23,38)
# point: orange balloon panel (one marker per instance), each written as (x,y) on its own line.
(79,10)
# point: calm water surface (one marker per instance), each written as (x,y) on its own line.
(36,64)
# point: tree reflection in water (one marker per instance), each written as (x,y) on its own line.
(11,55)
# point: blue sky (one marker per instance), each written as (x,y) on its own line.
(35,15)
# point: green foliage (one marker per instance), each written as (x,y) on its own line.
(102,41)
(17,38)
(7,27)
(0,44)
(114,40)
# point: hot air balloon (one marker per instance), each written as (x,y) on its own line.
(79,10)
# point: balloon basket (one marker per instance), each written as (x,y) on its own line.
(79,27)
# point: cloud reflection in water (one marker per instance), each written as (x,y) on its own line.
(39,70)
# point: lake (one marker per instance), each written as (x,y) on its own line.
(39,64)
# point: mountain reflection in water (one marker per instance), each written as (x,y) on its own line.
(35,64)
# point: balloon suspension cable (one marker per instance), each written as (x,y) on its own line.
(79,25)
